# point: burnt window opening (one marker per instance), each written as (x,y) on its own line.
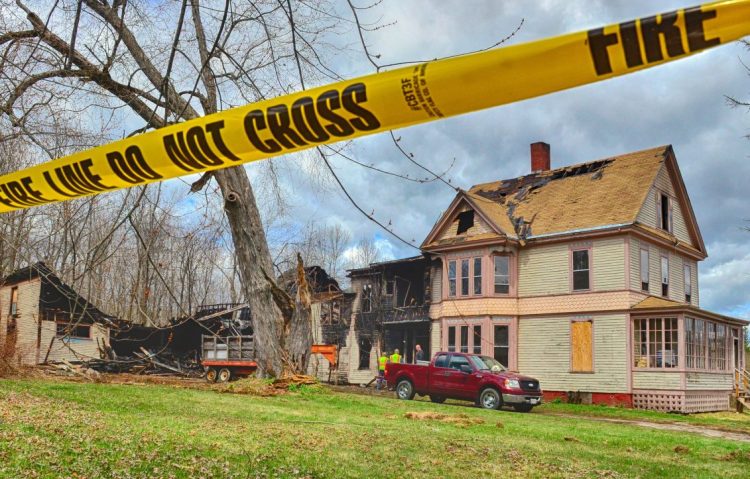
(390,287)
(366,298)
(465,221)
(69,330)
(365,346)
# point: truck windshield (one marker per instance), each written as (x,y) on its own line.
(487,363)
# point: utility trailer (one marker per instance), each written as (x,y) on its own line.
(227,357)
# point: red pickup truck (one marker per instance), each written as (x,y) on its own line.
(465,376)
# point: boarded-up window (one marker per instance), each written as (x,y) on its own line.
(581,347)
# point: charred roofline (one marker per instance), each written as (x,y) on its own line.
(375,268)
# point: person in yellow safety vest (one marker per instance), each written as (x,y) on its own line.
(395,357)
(382,360)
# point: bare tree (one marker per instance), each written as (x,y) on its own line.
(364,253)
(113,56)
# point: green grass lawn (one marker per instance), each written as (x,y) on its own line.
(66,429)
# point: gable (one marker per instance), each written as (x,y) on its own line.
(668,182)
(463,222)
(464,215)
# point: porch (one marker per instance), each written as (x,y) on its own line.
(683,358)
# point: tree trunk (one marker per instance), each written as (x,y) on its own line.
(299,339)
(256,269)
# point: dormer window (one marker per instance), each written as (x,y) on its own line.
(465,221)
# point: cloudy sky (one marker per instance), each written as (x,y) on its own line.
(682,103)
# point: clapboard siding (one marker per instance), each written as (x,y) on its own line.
(649,211)
(608,261)
(647,215)
(709,381)
(676,278)
(544,352)
(71,349)
(695,298)
(635,264)
(436,284)
(435,338)
(544,270)
(667,380)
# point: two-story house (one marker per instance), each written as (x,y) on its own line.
(585,277)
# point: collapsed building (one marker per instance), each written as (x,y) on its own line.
(44,319)
(387,310)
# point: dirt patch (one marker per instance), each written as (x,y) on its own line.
(739,456)
(249,386)
(668,426)
(463,420)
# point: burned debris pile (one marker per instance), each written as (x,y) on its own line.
(145,361)
(172,350)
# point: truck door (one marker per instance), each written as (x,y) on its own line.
(439,374)
(460,384)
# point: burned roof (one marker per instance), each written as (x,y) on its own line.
(55,295)
(385,264)
(585,196)
(318,278)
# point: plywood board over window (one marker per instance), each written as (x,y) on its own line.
(581,347)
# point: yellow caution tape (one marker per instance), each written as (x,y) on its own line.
(378,102)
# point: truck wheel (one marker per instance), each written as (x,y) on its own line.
(404,389)
(225,375)
(211,375)
(437,399)
(489,398)
(522,407)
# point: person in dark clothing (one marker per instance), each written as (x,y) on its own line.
(419,356)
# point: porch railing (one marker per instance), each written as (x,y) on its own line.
(402,314)
(741,382)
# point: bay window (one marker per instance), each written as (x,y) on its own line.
(502,274)
(477,275)
(464,277)
(451,278)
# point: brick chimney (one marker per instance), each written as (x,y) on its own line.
(540,159)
